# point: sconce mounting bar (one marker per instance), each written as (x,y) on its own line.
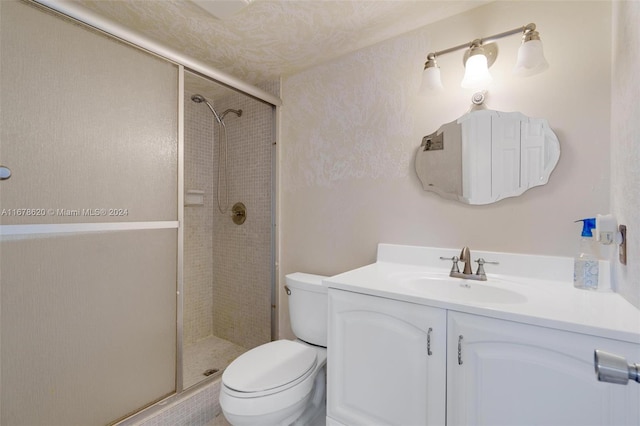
(527,30)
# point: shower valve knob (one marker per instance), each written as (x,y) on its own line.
(239,213)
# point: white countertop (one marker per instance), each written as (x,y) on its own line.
(550,300)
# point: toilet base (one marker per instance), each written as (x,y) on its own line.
(316,410)
(308,411)
(283,417)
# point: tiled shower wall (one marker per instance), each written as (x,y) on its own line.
(198,231)
(242,253)
(227,267)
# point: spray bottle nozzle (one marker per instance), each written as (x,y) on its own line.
(587,225)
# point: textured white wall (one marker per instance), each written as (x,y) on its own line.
(349,130)
(625,141)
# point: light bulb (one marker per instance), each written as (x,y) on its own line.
(476,74)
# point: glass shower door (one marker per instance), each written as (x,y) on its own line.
(88,223)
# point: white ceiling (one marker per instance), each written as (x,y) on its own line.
(270,38)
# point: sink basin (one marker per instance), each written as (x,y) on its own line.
(441,286)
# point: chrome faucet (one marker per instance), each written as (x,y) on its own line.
(465,256)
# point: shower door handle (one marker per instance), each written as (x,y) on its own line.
(5,173)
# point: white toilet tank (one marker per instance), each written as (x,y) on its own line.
(308,307)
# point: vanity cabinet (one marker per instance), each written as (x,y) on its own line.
(508,373)
(387,361)
(393,362)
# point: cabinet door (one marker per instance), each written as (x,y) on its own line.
(386,361)
(506,373)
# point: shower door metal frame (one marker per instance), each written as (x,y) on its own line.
(274,221)
(180,271)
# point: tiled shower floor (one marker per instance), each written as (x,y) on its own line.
(212,352)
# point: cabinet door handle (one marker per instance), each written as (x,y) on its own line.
(460,349)
(429,341)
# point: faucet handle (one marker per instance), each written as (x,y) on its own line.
(481,263)
(454,259)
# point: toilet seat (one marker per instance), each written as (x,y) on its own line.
(269,368)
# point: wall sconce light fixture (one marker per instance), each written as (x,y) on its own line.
(431,75)
(480,55)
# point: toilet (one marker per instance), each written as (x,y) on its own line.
(284,382)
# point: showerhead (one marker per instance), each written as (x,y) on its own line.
(199,99)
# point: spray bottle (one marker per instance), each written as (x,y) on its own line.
(585,270)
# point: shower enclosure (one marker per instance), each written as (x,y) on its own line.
(114,293)
(228,273)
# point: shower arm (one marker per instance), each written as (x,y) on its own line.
(237,112)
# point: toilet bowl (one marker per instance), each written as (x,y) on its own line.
(283,382)
(275,396)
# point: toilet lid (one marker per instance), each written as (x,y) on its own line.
(269,366)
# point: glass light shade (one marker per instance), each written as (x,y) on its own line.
(530,59)
(431,81)
(476,74)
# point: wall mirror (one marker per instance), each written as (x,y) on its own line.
(486,156)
